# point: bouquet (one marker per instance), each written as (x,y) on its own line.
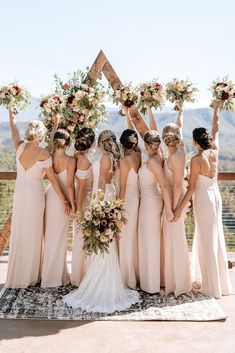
(124,95)
(223,91)
(180,91)
(150,93)
(14,96)
(81,99)
(100,224)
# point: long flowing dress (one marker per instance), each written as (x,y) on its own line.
(128,247)
(54,265)
(176,256)
(209,257)
(149,231)
(79,260)
(27,224)
(102,289)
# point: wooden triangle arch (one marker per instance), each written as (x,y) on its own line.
(101,64)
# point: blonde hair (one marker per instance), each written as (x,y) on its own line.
(152,139)
(171,127)
(107,139)
(171,139)
(35,130)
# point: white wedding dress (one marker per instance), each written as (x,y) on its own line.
(102,289)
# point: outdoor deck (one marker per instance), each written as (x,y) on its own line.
(27,336)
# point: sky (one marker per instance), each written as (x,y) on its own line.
(142,39)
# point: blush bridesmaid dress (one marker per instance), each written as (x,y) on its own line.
(176,256)
(209,256)
(54,265)
(27,224)
(128,247)
(78,256)
(149,231)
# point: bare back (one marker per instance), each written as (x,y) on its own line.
(209,163)
(60,162)
(31,155)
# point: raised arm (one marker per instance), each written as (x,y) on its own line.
(86,114)
(14,130)
(215,125)
(53,131)
(126,112)
(152,121)
(180,122)
(157,170)
(70,182)
(194,173)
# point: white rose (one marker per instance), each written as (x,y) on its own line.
(108,231)
(87,215)
(103,239)
(189,89)
(180,87)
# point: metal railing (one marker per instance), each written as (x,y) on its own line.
(226,184)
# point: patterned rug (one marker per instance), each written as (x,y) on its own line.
(40,303)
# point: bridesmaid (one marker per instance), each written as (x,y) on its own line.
(129,192)
(33,162)
(153,190)
(54,268)
(176,256)
(209,251)
(84,182)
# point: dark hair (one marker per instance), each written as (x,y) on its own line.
(84,139)
(61,139)
(203,138)
(129,139)
(152,138)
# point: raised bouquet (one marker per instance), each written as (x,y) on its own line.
(14,97)
(100,224)
(223,91)
(150,93)
(124,95)
(180,91)
(84,102)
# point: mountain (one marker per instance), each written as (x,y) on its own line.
(192,118)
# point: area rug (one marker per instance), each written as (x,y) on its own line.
(44,303)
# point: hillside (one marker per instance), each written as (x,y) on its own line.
(192,118)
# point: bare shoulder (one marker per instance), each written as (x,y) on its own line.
(44,154)
(83,164)
(154,163)
(196,159)
(105,160)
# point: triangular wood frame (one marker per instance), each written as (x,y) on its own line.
(101,64)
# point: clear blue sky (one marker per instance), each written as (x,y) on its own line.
(142,39)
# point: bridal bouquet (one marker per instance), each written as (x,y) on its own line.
(100,224)
(150,93)
(81,97)
(180,91)
(125,95)
(14,96)
(223,91)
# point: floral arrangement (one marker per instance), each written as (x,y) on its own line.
(151,93)
(100,224)
(189,212)
(180,91)
(223,91)
(81,97)
(14,96)
(124,95)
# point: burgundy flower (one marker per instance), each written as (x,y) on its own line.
(70,99)
(158,86)
(225,95)
(128,103)
(17,89)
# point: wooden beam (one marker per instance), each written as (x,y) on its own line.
(4,235)
(96,68)
(226,176)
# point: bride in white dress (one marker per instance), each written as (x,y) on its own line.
(102,289)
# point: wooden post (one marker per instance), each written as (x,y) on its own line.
(101,64)
(4,235)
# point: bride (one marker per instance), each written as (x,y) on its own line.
(102,289)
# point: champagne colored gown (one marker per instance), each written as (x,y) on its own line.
(27,224)
(54,265)
(149,231)
(209,256)
(128,247)
(176,256)
(79,260)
